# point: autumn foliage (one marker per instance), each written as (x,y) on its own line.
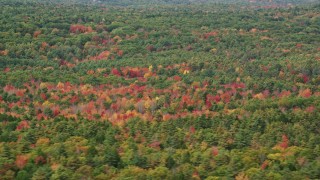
(109,90)
(78,28)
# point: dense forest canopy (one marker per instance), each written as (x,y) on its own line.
(170,2)
(173,90)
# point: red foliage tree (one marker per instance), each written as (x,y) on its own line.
(7,69)
(22,125)
(40,116)
(36,34)
(115,72)
(264,165)
(134,73)
(215,151)
(21,161)
(120,53)
(192,130)
(208,104)
(304,78)
(56,111)
(78,28)
(20,92)
(299,45)
(40,160)
(150,48)
(305,93)
(210,34)
(155,145)
(74,99)
(177,78)
(114,107)
(285,142)
(43,96)
(310,109)
(103,55)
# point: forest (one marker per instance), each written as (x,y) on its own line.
(166,89)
